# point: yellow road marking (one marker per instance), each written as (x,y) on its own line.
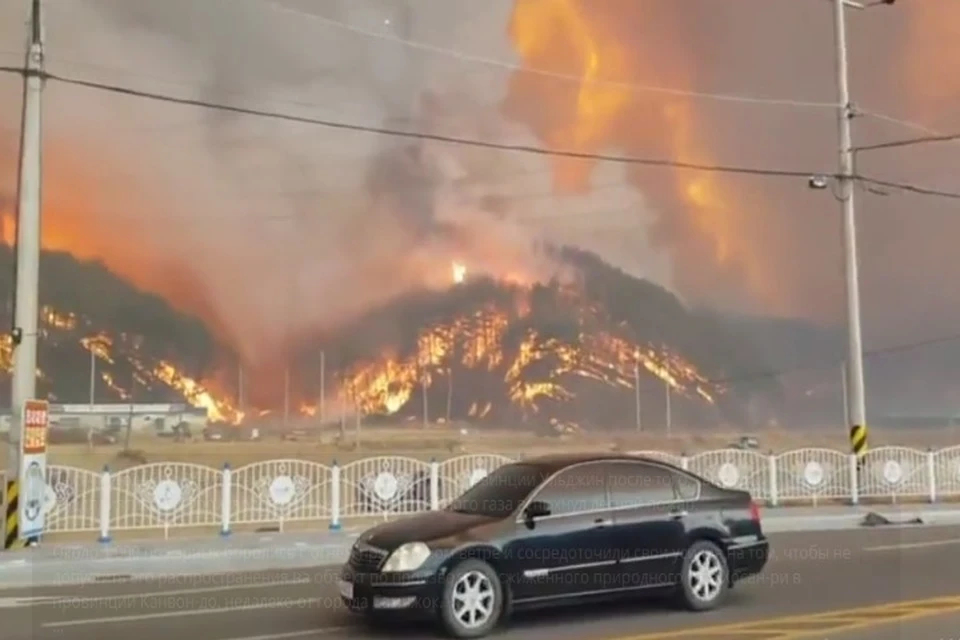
(813,624)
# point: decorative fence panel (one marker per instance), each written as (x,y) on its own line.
(277,491)
(946,472)
(274,492)
(164,495)
(812,476)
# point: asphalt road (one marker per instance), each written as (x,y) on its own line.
(818,585)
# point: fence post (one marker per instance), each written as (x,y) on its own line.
(772,470)
(932,474)
(854,479)
(434,484)
(335,497)
(105,501)
(684,462)
(225,499)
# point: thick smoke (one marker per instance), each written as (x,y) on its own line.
(266,229)
(270,229)
(772,245)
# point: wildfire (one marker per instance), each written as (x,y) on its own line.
(534,368)
(56,325)
(459,272)
(602,111)
(6,352)
(196,394)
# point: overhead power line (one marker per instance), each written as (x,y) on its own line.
(513,67)
(908,124)
(632,87)
(868,353)
(909,142)
(911,188)
(420,135)
(499,146)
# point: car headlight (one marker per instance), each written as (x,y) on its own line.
(407,557)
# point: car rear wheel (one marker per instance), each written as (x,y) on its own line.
(704,578)
(472,600)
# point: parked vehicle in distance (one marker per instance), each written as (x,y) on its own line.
(558,530)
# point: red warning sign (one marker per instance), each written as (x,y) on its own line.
(36,422)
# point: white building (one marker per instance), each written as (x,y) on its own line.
(161,418)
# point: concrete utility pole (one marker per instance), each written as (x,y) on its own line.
(26,294)
(857,412)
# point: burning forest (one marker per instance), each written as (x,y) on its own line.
(546,354)
(387,277)
(562,354)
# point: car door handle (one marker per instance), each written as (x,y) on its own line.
(677,515)
(601,522)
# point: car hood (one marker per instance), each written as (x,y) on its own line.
(441,528)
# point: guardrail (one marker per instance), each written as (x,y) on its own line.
(274,492)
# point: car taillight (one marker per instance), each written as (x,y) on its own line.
(754,511)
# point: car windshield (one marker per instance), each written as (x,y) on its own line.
(500,493)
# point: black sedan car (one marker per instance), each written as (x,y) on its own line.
(558,530)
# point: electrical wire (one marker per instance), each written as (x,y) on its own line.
(512,67)
(909,142)
(867,353)
(910,188)
(419,135)
(916,126)
(515,148)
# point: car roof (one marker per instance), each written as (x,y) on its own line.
(557,461)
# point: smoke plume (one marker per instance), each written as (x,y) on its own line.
(270,229)
(265,229)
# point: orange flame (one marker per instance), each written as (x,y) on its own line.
(459,272)
(579,38)
(60,326)
(540,369)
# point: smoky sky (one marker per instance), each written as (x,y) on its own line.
(269,229)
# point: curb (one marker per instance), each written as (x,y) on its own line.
(102,564)
(839,522)
(175,565)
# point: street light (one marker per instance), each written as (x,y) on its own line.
(866,5)
(856,408)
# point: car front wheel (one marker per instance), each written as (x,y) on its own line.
(472,600)
(704,577)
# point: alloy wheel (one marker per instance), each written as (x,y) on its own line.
(705,575)
(473,599)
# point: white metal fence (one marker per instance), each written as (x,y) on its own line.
(275,492)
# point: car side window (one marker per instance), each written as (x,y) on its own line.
(635,484)
(574,490)
(687,487)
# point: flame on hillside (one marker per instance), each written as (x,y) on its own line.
(55,324)
(459,272)
(536,369)
(508,360)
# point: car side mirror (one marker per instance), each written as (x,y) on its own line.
(534,510)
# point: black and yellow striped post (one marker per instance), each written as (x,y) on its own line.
(858,443)
(11,528)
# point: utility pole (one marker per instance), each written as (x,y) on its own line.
(636,395)
(669,409)
(856,405)
(26,297)
(286,396)
(93,374)
(846,395)
(323,387)
(240,398)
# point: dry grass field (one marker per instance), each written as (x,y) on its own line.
(442,442)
